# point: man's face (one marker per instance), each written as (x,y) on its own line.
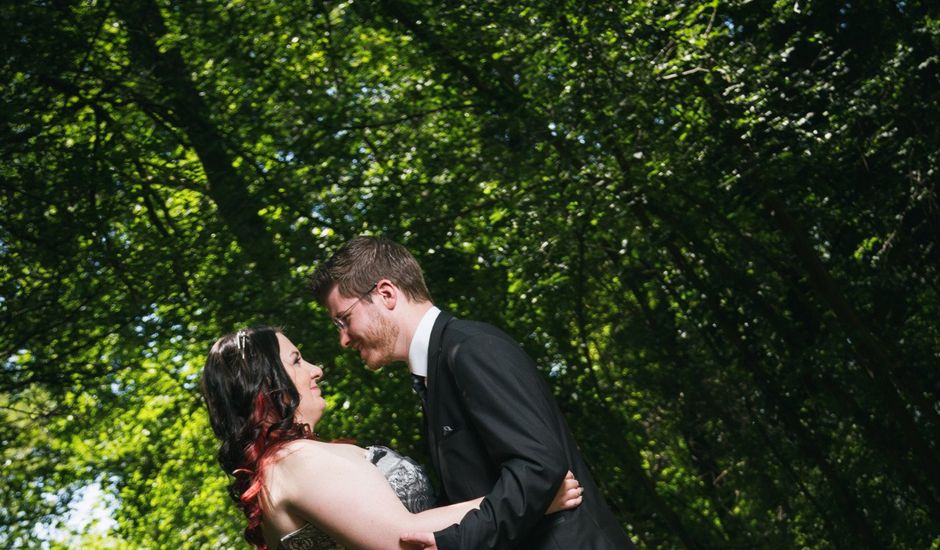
(364,326)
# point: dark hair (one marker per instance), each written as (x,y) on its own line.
(251,401)
(363,261)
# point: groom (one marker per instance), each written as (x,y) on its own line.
(492,424)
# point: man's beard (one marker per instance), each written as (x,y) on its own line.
(380,342)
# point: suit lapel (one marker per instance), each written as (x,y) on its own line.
(434,346)
(435,357)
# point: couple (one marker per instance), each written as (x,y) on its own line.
(498,442)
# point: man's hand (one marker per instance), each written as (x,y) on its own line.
(420,541)
(568,496)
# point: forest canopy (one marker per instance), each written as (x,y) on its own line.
(714,225)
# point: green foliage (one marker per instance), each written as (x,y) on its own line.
(713,225)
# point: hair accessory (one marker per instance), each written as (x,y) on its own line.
(241,339)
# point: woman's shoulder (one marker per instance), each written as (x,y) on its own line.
(290,472)
(303,452)
(298,446)
(304,478)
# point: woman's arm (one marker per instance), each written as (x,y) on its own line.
(568,497)
(350,499)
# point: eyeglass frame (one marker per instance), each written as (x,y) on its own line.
(340,319)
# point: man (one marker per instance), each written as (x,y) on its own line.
(492,425)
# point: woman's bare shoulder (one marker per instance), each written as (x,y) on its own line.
(292,470)
(306,453)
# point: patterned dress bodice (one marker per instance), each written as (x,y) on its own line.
(407,479)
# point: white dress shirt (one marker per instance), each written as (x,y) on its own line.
(418,352)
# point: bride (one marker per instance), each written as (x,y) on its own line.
(298,492)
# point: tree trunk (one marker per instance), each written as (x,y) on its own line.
(869,349)
(851,510)
(237,206)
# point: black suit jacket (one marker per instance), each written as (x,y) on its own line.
(495,430)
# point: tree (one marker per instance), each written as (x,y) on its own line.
(713,224)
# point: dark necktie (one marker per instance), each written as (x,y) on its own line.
(417,381)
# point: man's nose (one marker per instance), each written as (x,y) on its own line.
(344,338)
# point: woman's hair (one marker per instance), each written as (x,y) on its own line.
(363,261)
(251,401)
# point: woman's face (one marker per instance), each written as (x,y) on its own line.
(305,377)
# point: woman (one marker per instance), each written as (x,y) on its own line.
(295,490)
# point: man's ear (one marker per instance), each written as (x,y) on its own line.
(388,293)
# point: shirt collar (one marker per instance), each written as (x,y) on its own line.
(418,352)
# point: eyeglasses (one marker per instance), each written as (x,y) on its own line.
(341,320)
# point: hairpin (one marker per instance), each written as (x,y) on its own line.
(241,340)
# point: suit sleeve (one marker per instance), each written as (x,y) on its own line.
(511,409)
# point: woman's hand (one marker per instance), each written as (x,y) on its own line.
(419,541)
(568,496)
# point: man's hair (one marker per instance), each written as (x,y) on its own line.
(362,262)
